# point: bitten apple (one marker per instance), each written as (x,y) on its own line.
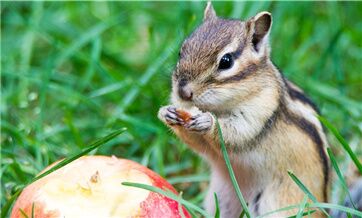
(91,187)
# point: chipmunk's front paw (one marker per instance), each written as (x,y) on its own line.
(192,120)
(202,122)
(169,115)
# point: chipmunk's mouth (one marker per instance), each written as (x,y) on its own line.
(214,100)
(186,96)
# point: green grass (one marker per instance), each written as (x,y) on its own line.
(71,72)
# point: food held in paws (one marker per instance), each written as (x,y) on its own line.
(92,187)
(185,116)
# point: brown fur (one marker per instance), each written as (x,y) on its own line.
(268,124)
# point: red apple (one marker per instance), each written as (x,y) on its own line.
(91,187)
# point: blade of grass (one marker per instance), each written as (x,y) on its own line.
(5,209)
(176,167)
(305,190)
(91,147)
(309,212)
(146,156)
(159,155)
(340,176)
(230,170)
(109,88)
(343,142)
(199,197)
(179,206)
(85,38)
(23,213)
(290,207)
(217,211)
(302,207)
(242,214)
(337,207)
(302,186)
(96,51)
(315,205)
(169,195)
(28,44)
(33,210)
(326,53)
(189,178)
(192,213)
(304,214)
(68,119)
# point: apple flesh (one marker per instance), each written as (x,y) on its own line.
(91,187)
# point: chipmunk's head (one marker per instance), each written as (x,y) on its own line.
(222,62)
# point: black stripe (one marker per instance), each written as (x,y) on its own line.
(256,202)
(313,133)
(308,128)
(236,54)
(267,127)
(297,95)
(248,70)
(242,74)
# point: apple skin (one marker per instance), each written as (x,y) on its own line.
(91,187)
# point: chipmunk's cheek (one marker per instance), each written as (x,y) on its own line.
(205,99)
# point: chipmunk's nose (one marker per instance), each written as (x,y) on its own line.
(184,90)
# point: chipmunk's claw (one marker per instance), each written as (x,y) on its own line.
(200,123)
(169,115)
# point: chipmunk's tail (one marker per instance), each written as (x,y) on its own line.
(354,181)
(356,195)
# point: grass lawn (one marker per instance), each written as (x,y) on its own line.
(72,72)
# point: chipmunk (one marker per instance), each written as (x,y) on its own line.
(268,124)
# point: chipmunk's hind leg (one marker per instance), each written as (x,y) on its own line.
(229,204)
(280,194)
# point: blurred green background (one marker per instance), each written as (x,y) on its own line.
(73,71)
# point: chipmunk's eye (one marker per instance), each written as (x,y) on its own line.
(226,62)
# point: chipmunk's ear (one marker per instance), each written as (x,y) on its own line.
(259,27)
(209,12)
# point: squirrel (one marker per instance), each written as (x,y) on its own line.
(268,124)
